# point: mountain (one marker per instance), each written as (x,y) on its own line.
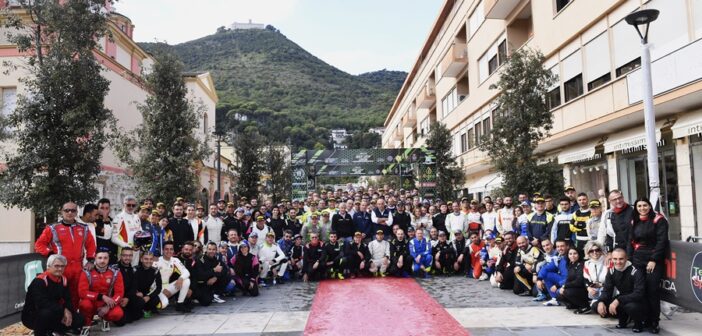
(270,85)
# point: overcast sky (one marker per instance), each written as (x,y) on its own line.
(353,35)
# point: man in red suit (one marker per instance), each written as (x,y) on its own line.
(72,240)
(101,290)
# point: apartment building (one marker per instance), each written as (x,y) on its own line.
(598,132)
(124,64)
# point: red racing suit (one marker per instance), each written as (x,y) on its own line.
(73,241)
(475,257)
(93,286)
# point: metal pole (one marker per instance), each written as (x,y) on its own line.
(219,170)
(650,124)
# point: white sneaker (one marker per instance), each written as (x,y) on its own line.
(217,299)
(552,302)
(105,326)
(483,277)
(85,331)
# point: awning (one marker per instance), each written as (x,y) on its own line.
(688,124)
(578,153)
(485,183)
(631,138)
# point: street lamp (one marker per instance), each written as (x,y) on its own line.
(641,20)
(219,136)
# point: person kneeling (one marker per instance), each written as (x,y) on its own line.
(175,278)
(47,307)
(630,284)
(358,256)
(444,255)
(246,270)
(420,249)
(100,291)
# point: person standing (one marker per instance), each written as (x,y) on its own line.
(614,229)
(505,216)
(455,220)
(212,224)
(71,240)
(382,218)
(342,223)
(103,229)
(276,222)
(180,228)
(362,221)
(125,225)
(648,237)
(560,230)
(47,305)
(593,224)
(579,222)
(439,220)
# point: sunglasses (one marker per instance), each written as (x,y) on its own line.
(131,205)
(595,250)
(70,210)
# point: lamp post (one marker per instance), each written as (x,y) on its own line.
(641,20)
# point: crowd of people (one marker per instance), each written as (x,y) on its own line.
(567,250)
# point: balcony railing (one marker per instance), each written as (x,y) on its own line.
(410,119)
(427,97)
(455,60)
(499,9)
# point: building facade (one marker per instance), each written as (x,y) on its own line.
(124,64)
(598,132)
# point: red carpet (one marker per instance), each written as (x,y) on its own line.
(388,306)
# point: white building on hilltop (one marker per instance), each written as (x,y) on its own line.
(338,137)
(249,25)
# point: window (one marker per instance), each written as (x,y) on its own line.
(449,102)
(478,133)
(597,65)
(573,88)
(8,102)
(626,44)
(487,127)
(424,126)
(464,144)
(502,52)
(572,76)
(471,139)
(553,99)
(476,19)
(628,67)
(560,4)
(495,56)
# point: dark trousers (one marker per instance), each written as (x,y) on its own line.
(574,298)
(47,320)
(636,310)
(133,311)
(653,294)
(406,266)
(314,274)
(446,260)
(244,284)
(354,264)
(507,278)
(523,281)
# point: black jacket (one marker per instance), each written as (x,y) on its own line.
(353,249)
(333,251)
(630,283)
(575,278)
(313,254)
(207,267)
(278,226)
(230,222)
(147,281)
(403,220)
(400,248)
(460,247)
(439,222)
(648,240)
(343,225)
(620,223)
(182,231)
(245,267)
(293,225)
(508,260)
(128,279)
(45,293)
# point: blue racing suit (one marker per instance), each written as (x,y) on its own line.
(554,273)
(421,248)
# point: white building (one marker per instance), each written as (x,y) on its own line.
(247,25)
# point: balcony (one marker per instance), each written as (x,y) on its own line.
(397,136)
(455,61)
(499,9)
(427,96)
(410,119)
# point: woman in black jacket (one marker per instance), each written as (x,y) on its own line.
(246,269)
(648,243)
(574,293)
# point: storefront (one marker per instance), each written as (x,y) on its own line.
(687,131)
(632,169)
(585,168)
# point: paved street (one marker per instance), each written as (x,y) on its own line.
(283,310)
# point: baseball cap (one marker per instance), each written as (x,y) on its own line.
(358,234)
(473,201)
(379,232)
(253,234)
(525,203)
(458,231)
(270,234)
(155,212)
(410,229)
(569,188)
(538,199)
(442,233)
(498,240)
(259,217)
(160,205)
(595,204)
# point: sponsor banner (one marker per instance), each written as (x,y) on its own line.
(17,272)
(355,157)
(682,284)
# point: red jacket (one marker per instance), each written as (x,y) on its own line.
(93,283)
(73,241)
